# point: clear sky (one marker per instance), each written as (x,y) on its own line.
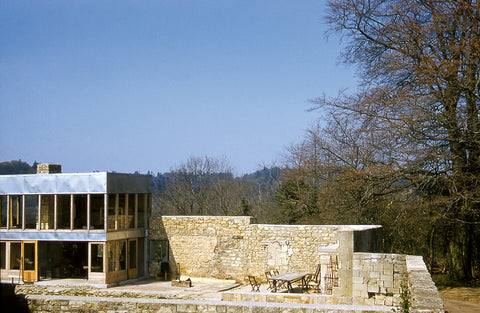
(143,85)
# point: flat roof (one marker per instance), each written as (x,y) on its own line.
(75,183)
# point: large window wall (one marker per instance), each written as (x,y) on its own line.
(74,211)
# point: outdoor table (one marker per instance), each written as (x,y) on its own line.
(288,279)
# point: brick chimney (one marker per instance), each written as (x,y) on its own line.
(49,168)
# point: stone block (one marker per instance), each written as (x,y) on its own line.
(374,274)
(186,308)
(373,288)
(206,308)
(358,280)
(379,302)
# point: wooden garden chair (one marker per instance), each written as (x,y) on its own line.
(313,281)
(254,284)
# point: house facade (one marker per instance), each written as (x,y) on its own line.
(82,225)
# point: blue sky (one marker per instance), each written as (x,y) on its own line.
(144,85)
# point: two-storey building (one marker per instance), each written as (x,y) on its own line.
(83,225)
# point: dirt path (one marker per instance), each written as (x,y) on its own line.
(461,300)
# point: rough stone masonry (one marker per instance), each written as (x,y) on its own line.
(226,247)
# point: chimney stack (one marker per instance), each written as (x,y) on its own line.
(49,168)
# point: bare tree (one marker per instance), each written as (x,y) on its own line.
(207,186)
(419,61)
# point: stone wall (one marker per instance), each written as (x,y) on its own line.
(377,278)
(203,247)
(424,293)
(40,304)
(232,248)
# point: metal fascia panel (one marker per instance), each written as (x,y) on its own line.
(97,182)
(11,184)
(40,184)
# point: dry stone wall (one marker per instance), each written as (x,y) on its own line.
(232,248)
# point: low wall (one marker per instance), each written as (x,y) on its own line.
(302,298)
(424,294)
(137,305)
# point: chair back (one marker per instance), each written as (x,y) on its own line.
(253,283)
(318,273)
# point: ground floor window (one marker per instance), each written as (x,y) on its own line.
(122,256)
(132,254)
(15,255)
(112,256)
(96,261)
(3,255)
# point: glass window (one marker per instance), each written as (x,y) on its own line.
(79,211)
(31,211)
(121,223)
(112,256)
(29,256)
(122,255)
(97,203)
(131,211)
(63,211)
(3,211)
(111,211)
(15,255)
(47,211)
(141,210)
(132,254)
(16,211)
(3,255)
(97,258)
(159,250)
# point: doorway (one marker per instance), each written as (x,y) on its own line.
(30,261)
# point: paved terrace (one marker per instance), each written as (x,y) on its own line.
(160,296)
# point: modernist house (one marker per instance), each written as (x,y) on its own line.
(83,225)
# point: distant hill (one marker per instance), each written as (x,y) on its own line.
(17,167)
(264,178)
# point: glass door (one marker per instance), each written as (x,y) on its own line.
(132,258)
(30,261)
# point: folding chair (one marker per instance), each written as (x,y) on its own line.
(269,275)
(253,283)
(312,281)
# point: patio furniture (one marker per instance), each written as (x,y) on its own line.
(313,281)
(287,280)
(270,274)
(270,281)
(254,284)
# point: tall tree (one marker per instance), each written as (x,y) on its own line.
(419,61)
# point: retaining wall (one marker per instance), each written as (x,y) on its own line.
(40,304)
